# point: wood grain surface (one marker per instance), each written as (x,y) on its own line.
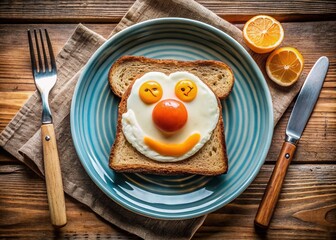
(307,204)
(113,11)
(306,208)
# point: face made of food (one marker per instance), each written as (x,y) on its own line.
(169,118)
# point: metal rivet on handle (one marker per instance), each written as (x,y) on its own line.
(47,138)
(287,155)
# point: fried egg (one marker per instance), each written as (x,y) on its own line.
(169,118)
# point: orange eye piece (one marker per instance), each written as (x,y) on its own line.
(186,90)
(150,92)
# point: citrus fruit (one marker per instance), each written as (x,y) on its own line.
(284,66)
(262,34)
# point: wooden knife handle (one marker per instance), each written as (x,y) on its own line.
(53,176)
(272,192)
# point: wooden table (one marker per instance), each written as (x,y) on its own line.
(307,205)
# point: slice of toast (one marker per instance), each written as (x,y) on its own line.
(211,159)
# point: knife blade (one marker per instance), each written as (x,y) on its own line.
(297,122)
(306,100)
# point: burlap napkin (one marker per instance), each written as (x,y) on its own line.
(21,137)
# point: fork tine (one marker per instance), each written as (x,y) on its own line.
(38,52)
(31,49)
(51,52)
(46,65)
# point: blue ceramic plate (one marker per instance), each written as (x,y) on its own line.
(247,114)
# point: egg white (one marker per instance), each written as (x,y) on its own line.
(203,115)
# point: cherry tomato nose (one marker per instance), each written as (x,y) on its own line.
(170,115)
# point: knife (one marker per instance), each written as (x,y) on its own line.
(298,119)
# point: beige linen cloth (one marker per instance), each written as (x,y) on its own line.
(21,137)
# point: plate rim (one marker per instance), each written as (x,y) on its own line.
(239,48)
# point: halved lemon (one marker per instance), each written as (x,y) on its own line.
(284,66)
(262,33)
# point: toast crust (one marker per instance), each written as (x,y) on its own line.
(210,160)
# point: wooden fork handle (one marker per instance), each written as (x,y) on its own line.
(53,176)
(272,192)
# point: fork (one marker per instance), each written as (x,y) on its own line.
(45,75)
